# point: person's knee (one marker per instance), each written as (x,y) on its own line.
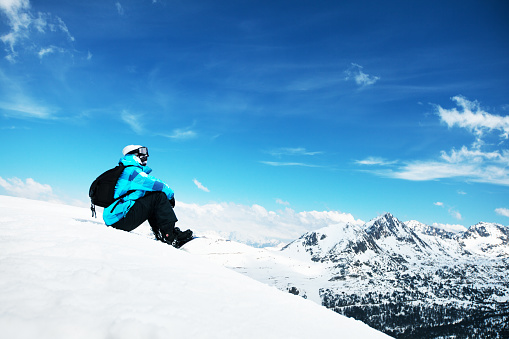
(159,196)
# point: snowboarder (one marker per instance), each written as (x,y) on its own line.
(148,198)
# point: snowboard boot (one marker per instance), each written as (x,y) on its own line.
(170,239)
(182,238)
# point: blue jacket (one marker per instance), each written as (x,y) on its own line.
(135,177)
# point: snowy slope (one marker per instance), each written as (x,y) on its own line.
(65,275)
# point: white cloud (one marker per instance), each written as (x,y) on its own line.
(45,51)
(450,228)
(133,120)
(472,117)
(23,22)
(362,79)
(455,214)
(255,224)
(16,103)
(296,151)
(290,152)
(503,211)
(23,107)
(375,161)
(473,163)
(27,189)
(185,133)
(281,202)
(119,7)
(279,164)
(19,20)
(474,156)
(200,186)
(49,50)
(434,170)
(182,134)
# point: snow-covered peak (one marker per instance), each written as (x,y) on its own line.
(440,230)
(379,219)
(487,239)
(417,226)
(486,229)
(318,243)
(388,226)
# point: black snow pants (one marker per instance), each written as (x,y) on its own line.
(154,207)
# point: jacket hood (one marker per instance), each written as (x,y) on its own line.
(130,160)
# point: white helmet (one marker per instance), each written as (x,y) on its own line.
(130,148)
(140,152)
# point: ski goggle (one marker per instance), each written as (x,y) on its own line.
(142,151)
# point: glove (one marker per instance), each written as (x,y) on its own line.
(172,202)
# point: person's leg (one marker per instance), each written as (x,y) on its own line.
(163,219)
(163,223)
(157,209)
(154,207)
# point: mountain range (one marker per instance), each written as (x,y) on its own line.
(409,279)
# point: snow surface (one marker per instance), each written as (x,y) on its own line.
(66,275)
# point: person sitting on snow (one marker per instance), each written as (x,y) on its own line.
(148,198)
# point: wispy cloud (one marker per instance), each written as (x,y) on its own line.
(455,214)
(375,161)
(182,134)
(452,211)
(16,102)
(291,153)
(50,50)
(355,73)
(25,108)
(200,186)
(494,173)
(119,7)
(281,202)
(279,164)
(472,117)
(503,211)
(19,19)
(278,152)
(22,22)
(473,163)
(133,120)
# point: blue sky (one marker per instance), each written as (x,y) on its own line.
(362,107)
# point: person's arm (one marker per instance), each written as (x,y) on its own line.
(145,182)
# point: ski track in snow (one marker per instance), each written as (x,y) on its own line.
(66,275)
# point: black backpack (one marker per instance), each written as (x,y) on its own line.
(103,188)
